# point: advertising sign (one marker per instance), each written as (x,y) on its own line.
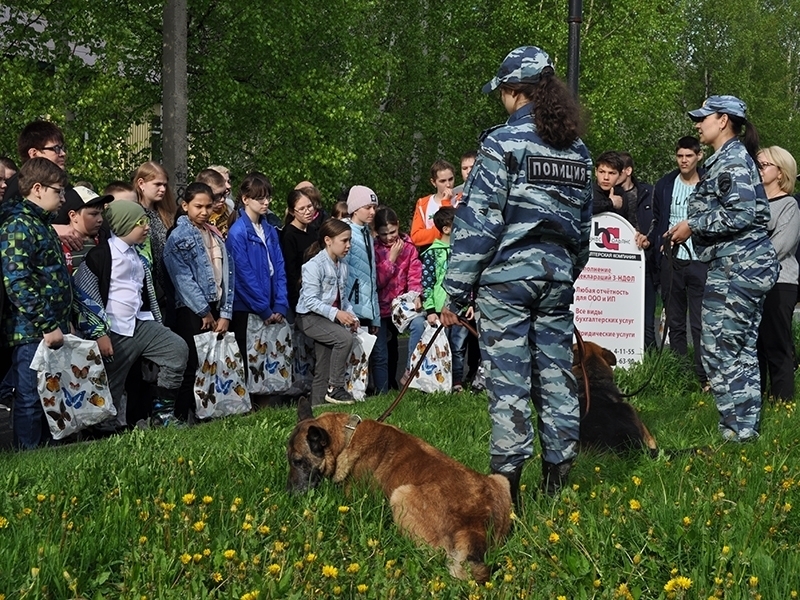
(609,294)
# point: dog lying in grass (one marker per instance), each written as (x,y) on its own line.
(434,499)
(610,422)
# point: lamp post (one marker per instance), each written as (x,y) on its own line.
(574,44)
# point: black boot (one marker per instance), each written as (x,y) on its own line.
(164,408)
(513,481)
(554,477)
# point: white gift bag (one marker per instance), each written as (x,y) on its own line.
(403,311)
(357,374)
(219,383)
(72,386)
(304,361)
(269,356)
(436,371)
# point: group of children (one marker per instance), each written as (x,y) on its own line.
(142,278)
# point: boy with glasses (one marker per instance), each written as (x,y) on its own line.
(37,288)
(220,214)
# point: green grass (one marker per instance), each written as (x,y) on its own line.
(110,519)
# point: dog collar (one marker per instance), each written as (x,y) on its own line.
(350,428)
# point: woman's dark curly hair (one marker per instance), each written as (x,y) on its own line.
(556,112)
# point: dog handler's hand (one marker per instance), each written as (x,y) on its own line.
(448,317)
(680,233)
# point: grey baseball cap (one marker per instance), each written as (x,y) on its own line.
(522,65)
(728,105)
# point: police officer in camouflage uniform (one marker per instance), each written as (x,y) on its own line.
(520,239)
(727,219)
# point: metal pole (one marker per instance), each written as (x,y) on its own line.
(175,94)
(574,45)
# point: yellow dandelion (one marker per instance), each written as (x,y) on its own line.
(186,558)
(311,557)
(372,543)
(188,499)
(508,578)
(41,497)
(217,577)
(636,480)
(278,546)
(561,597)
(596,583)
(687,521)
(337,589)
(768,469)
(251,595)
(753,581)
(553,538)
(726,550)
(575,517)
(787,507)
(344,509)
(263,529)
(274,569)
(3,522)
(353,568)
(637,558)
(330,571)
(197,557)
(247,526)
(143,539)
(362,588)
(34,572)
(206,552)
(635,504)
(207,500)
(199,526)
(488,585)
(229,554)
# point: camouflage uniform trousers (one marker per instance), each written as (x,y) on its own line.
(732,306)
(526,345)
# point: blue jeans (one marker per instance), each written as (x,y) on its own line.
(380,353)
(457,336)
(27,414)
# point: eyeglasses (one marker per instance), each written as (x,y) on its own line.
(218,198)
(143,222)
(764,165)
(304,209)
(57,149)
(61,191)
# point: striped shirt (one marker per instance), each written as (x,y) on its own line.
(677,213)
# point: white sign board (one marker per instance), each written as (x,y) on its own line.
(609,295)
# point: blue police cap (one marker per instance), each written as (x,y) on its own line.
(522,65)
(728,105)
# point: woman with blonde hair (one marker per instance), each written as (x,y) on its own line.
(151,183)
(775,345)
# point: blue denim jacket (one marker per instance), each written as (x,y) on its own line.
(189,267)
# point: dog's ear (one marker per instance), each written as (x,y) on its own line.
(609,357)
(317,439)
(304,409)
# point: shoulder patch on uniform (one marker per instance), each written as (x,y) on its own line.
(556,171)
(724,182)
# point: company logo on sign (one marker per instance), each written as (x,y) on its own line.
(609,237)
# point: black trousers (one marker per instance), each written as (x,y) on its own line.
(775,344)
(187,325)
(682,285)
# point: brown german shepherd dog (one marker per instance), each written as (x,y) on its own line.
(610,423)
(433,498)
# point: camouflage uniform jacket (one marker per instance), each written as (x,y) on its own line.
(729,212)
(526,213)
(35,276)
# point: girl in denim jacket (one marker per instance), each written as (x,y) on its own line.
(325,314)
(198,264)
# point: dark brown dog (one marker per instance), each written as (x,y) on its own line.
(610,423)
(433,498)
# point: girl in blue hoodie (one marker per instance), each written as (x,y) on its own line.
(260,275)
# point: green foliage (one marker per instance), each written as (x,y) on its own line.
(357,91)
(203,513)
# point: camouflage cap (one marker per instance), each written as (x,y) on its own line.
(522,65)
(728,105)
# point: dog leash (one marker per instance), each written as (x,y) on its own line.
(410,378)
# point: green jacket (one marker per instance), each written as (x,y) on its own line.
(434,268)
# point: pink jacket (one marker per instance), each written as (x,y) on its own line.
(405,275)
